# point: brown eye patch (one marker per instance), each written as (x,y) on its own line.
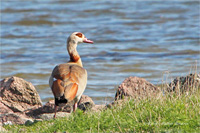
(79,35)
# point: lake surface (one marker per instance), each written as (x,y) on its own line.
(149,39)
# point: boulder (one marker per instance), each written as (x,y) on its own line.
(189,83)
(4,109)
(14,118)
(18,94)
(48,116)
(136,87)
(84,103)
(97,108)
(48,108)
(47,111)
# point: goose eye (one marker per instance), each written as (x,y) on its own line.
(79,35)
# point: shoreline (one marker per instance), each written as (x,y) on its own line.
(31,110)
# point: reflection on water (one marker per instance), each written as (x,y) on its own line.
(143,39)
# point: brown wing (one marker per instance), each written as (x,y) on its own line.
(65,80)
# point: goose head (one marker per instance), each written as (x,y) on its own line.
(78,37)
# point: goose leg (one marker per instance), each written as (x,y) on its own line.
(75,107)
(55,111)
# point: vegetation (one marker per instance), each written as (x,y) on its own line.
(167,113)
(171,112)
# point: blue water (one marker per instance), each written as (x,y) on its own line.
(155,40)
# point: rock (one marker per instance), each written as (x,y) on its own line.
(136,87)
(188,83)
(19,95)
(14,118)
(85,103)
(47,111)
(97,108)
(4,109)
(49,108)
(48,116)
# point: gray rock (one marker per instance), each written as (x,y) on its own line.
(14,118)
(19,95)
(85,103)
(189,83)
(4,109)
(48,116)
(135,87)
(48,108)
(98,108)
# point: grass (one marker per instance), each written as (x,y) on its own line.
(172,112)
(165,114)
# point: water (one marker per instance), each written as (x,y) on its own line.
(149,39)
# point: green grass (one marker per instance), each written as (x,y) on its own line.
(165,114)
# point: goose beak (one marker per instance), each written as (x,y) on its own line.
(87,40)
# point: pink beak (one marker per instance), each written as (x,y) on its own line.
(87,40)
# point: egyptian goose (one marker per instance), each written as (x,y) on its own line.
(68,80)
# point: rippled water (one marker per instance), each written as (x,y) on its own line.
(148,39)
